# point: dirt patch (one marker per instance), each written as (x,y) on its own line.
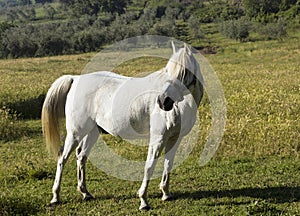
(207,50)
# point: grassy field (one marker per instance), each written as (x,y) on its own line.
(256,169)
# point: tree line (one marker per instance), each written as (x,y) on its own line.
(90,24)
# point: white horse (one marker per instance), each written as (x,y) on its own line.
(163,106)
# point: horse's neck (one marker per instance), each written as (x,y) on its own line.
(198,91)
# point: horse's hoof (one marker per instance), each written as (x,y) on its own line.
(54,203)
(168,197)
(145,208)
(52,206)
(88,198)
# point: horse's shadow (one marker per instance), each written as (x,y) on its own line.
(272,194)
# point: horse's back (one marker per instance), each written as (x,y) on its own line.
(89,94)
(118,104)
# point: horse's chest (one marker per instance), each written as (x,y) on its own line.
(140,124)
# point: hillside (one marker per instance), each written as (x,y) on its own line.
(37,28)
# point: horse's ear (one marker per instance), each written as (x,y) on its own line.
(187,49)
(174,47)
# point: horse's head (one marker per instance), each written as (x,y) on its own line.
(183,71)
(183,66)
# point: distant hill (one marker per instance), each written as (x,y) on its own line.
(52,27)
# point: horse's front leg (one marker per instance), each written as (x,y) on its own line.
(153,154)
(170,149)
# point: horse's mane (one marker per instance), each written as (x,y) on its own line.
(176,67)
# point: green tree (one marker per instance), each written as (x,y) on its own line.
(114,6)
(11,16)
(93,7)
(286,4)
(194,23)
(50,11)
(67,2)
(54,41)
(43,1)
(236,29)
(22,16)
(90,39)
(172,12)
(231,11)
(273,30)
(146,21)
(182,31)
(166,27)
(30,13)
(17,43)
(255,8)
(3,27)
(80,7)
(24,2)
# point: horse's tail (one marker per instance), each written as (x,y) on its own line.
(54,109)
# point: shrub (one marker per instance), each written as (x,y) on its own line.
(183,32)
(50,11)
(172,13)
(274,30)
(236,29)
(210,13)
(53,44)
(145,22)
(194,27)
(10,127)
(291,13)
(118,29)
(104,19)
(90,40)
(17,42)
(253,8)
(3,27)
(165,27)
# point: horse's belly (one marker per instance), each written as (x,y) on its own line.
(127,128)
(125,117)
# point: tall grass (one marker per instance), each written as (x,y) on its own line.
(11,128)
(260,80)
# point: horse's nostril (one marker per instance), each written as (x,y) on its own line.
(165,103)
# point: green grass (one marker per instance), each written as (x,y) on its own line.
(261,82)
(255,171)
(235,186)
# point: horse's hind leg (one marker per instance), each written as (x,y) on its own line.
(170,149)
(70,145)
(82,153)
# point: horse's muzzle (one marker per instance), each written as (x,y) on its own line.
(165,102)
